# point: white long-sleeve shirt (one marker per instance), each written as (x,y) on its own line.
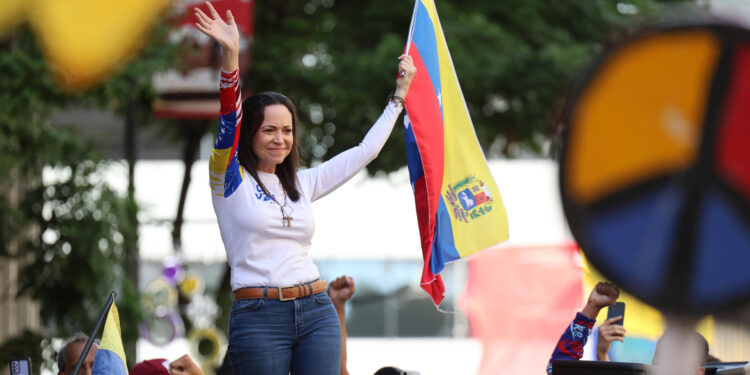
(261,251)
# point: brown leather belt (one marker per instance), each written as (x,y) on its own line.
(283,293)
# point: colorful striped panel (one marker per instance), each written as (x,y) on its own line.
(224,168)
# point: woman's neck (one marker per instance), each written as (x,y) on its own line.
(267,168)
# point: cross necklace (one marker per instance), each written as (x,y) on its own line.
(286,218)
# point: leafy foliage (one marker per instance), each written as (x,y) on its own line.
(515,60)
(76,257)
(458,185)
(72,232)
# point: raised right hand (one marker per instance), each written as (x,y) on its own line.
(341,289)
(225,33)
(604,294)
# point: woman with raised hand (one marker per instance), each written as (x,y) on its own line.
(282,318)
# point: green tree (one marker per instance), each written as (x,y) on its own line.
(76,236)
(515,60)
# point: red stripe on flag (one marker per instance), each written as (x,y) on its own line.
(427,124)
(435,288)
(431,283)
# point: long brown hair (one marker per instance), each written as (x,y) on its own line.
(253,109)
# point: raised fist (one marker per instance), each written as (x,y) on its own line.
(341,289)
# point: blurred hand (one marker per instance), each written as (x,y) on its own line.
(604,294)
(184,366)
(406,73)
(608,332)
(341,289)
(225,33)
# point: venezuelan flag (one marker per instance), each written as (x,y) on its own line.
(459,209)
(110,358)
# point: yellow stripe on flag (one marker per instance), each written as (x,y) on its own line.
(112,335)
(464,158)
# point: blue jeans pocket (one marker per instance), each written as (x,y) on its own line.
(246,305)
(322,298)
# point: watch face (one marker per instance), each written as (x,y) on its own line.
(654,172)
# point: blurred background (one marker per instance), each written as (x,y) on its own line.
(107,116)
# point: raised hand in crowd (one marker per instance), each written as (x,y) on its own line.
(341,289)
(609,331)
(603,295)
(184,366)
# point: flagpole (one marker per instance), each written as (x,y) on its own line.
(92,336)
(411,27)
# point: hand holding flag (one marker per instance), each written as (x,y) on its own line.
(406,73)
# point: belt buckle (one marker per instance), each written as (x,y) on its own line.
(281,295)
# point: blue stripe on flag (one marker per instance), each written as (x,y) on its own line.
(443,246)
(413,159)
(108,363)
(424,39)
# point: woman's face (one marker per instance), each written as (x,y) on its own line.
(274,139)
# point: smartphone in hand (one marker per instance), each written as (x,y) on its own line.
(20,366)
(615,310)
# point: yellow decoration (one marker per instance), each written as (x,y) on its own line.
(642,113)
(218,342)
(191,285)
(12,14)
(85,40)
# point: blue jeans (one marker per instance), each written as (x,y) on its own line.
(272,337)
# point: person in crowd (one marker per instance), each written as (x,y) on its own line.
(282,318)
(671,347)
(608,332)
(390,370)
(184,366)
(67,357)
(573,339)
(160,366)
(341,290)
(156,366)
